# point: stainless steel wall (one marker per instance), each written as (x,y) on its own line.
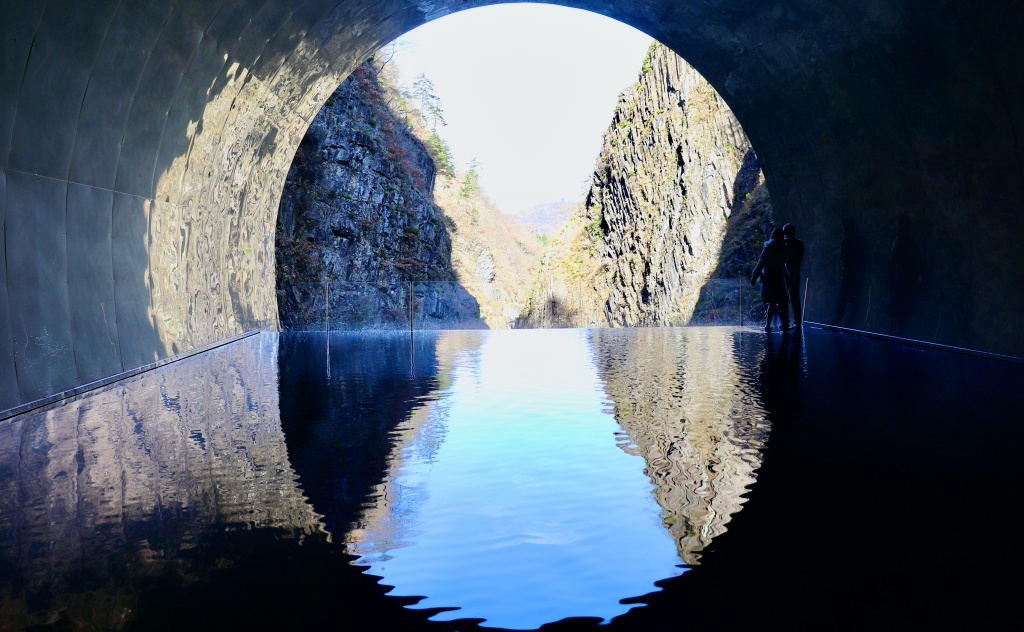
(144,143)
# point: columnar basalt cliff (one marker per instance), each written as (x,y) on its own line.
(674,167)
(358,224)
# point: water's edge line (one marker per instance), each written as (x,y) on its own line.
(918,343)
(72,394)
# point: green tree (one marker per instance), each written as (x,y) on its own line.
(430,104)
(441,154)
(471,182)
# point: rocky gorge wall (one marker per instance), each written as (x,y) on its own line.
(674,167)
(357,222)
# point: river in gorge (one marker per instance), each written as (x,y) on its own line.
(449,480)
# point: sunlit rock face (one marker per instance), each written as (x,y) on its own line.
(150,469)
(674,166)
(666,182)
(686,407)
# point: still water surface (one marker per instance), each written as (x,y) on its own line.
(514,489)
(512,478)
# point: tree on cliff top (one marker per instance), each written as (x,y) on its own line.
(430,103)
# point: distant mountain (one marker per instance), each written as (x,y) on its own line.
(546,218)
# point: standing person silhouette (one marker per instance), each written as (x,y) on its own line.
(771,270)
(794,257)
(853,257)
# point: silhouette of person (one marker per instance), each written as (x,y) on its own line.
(771,270)
(903,276)
(794,257)
(853,256)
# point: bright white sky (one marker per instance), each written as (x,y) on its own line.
(527,89)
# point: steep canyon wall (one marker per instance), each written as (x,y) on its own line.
(674,167)
(374,216)
(358,233)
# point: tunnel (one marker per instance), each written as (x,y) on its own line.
(144,147)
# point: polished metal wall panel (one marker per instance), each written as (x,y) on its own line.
(56,76)
(171,55)
(8,371)
(315,67)
(290,35)
(200,11)
(192,172)
(186,120)
(263,25)
(18,24)
(232,19)
(126,50)
(37,284)
(168,269)
(136,329)
(91,282)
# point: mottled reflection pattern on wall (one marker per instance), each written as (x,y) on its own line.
(127,484)
(686,406)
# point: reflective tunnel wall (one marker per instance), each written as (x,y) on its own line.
(144,144)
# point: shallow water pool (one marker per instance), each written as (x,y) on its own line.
(630,479)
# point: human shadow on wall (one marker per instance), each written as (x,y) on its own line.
(904,277)
(853,268)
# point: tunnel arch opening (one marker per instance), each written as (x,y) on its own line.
(555,88)
(143,146)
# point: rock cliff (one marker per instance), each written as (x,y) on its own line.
(357,222)
(674,167)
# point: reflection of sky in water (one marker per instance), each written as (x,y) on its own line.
(510,475)
(526,511)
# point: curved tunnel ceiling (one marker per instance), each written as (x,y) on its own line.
(144,145)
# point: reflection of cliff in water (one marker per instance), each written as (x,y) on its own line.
(341,429)
(680,397)
(133,482)
(384,524)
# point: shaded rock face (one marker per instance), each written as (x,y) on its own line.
(357,229)
(674,166)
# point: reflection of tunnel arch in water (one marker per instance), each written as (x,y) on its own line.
(144,147)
